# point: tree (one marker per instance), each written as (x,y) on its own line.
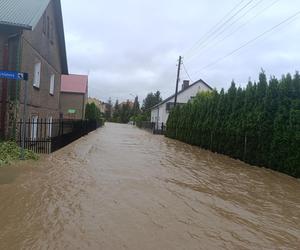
(150,101)
(125,113)
(116,112)
(108,112)
(259,124)
(92,112)
(135,110)
(136,106)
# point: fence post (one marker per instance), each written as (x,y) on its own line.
(245,147)
(211,140)
(62,127)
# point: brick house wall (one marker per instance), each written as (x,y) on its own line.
(37,46)
(76,101)
(27,47)
(9,46)
(3,38)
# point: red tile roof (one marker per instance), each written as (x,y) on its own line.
(74,83)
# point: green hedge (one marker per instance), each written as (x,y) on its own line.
(10,151)
(259,124)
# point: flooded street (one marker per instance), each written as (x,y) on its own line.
(123,188)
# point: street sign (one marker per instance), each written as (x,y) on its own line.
(13,75)
(71,111)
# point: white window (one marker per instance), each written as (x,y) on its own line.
(49,127)
(52,84)
(34,127)
(37,75)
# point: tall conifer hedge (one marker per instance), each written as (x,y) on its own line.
(259,124)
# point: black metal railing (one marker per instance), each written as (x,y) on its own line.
(45,136)
(155,128)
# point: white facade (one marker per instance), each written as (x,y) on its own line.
(160,114)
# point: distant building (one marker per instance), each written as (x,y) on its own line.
(74,96)
(31,40)
(160,112)
(101,105)
(129,103)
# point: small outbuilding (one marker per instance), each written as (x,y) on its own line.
(74,96)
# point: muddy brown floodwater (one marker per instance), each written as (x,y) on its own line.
(123,188)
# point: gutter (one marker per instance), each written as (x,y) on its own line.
(22,26)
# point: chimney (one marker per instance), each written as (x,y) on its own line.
(185,85)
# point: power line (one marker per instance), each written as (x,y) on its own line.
(227,26)
(238,28)
(288,20)
(225,29)
(215,26)
(219,26)
(188,75)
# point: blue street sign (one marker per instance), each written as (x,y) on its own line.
(13,75)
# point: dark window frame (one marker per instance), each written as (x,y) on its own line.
(48,27)
(44,24)
(51,32)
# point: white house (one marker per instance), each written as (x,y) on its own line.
(160,112)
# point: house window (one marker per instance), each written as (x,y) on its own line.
(51,33)
(37,75)
(34,127)
(44,24)
(52,84)
(48,27)
(49,126)
(169,106)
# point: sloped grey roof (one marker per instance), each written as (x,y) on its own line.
(181,91)
(26,14)
(22,13)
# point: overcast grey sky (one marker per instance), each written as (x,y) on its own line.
(132,46)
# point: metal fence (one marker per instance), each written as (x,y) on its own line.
(155,128)
(45,136)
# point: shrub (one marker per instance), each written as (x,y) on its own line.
(259,124)
(10,151)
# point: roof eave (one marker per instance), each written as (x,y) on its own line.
(169,98)
(62,40)
(207,85)
(22,26)
(72,92)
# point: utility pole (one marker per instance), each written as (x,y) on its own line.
(177,80)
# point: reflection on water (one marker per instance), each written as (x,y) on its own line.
(123,188)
